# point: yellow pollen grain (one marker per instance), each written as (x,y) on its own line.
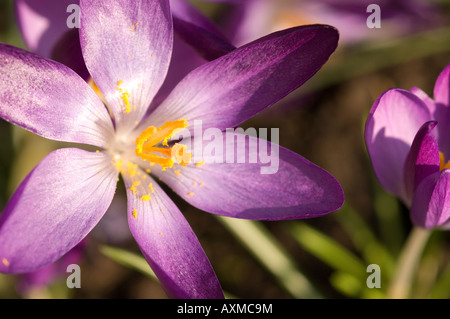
(134,27)
(132,169)
(133,186)
(201,185)
(190,194)
(145,197)
(148,170)
(194,183)
(5,262)
(151,187)
(118,164)
(200,163)
(177,172)
(134,213)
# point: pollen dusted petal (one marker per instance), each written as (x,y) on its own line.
(298,189)
(130,42)
(169,244)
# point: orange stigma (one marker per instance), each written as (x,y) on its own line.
(147,149)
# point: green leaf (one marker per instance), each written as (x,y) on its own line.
(327,249)
(269,252)
(128,259)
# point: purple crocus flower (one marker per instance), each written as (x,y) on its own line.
(407,137)
(251,18)
(127,47)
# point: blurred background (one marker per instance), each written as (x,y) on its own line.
(323,121)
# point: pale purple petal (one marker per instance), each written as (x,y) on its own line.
(252,185)
(229,90)
(429,102)
(50,99)
(423,157)
(442,113)
(184,60)
(431,203)
(442,87)
(127,47)
(42,23)
(393,122)
(54,208)
(198,31)
(168,242)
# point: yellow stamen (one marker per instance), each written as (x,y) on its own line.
(180,155)
(442,163)
(125,96)
(147,150)
(97,91)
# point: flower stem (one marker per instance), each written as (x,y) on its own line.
(407,264)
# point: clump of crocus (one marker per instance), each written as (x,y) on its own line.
(127,47)
(408,139)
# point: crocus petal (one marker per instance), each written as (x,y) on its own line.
(431,202)
(393,122)
(168,242)
(42,23)
(184,60)
(50,99)
(425,98)
(423,158)
(442,113)
(127,47)
(229,90)
(67,50)
(198,31)
(255,186)
(442,87)
(54,208)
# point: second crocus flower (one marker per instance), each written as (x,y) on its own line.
(408,139)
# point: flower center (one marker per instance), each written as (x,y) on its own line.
(442,163)
(147,145)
